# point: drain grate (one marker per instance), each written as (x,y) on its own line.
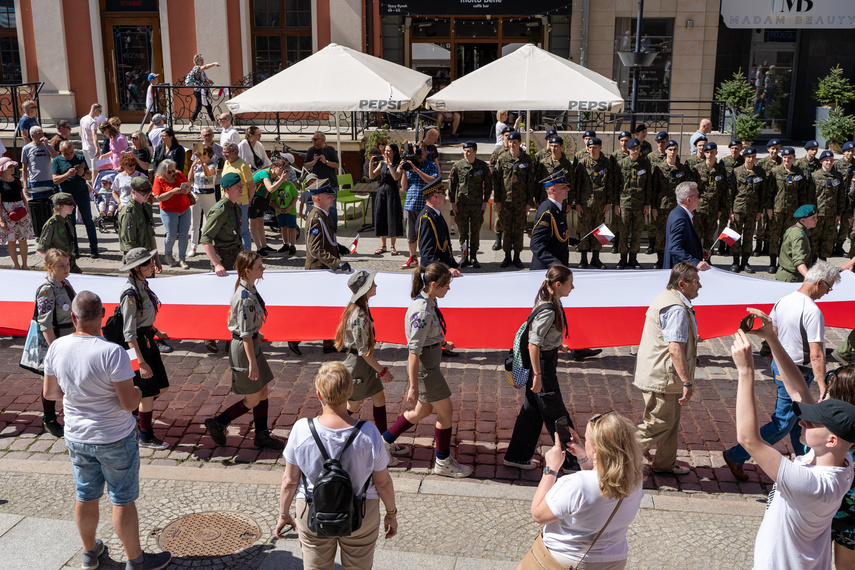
(209,534)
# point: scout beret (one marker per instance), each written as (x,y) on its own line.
(595,141)
(670,143)
(811,144)
(641,127)
(550,133)
(734,143)
(826,154)
(805,211)
(710,146)
(470,144)
(633,142)
(141,184)
(63,199)
(749,150)
(661,136)
(848,146)
(773,142)
(229,180)
(556,139)
(589,134)
(788,151)
(557,177)
(432,187)
(515,136)
(623,134)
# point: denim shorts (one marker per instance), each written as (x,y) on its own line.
(117,464)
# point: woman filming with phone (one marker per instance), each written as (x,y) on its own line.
(586,515)
(173,192)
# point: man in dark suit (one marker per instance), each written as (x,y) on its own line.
(434,243)
(682,242)
(550,237)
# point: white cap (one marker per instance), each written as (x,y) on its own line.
(289,157)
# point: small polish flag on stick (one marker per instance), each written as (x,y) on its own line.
(729,236)
(353,245)
(466,249)
(603,234)
(132,354)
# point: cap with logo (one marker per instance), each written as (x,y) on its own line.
(515,136)
(788,151)
(773,142)
(470,144)
(433,187)
(595,141)
(826,154)
(848,146)
(556,140)
(749,151)
(671,143)
(589,134)
(811,144)
(550,133)
(733,143)
(557,177)
(641,127)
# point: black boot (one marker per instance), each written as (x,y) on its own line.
(474,262)
(745,267)
(773,263)
(765,250)
(758,249)
(497,245)
(595,260)
(658,264)
(263,440)
(735,267)
(838,250)
(616,244)
(633,261)
(507,261)
(517,261)
(723,249)
(622,263)
(650,247)
(464,262)
(583,263)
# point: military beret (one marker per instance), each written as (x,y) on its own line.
(701,138)
(507,129)
(229,180)
(641,127)
(141,184)
(434,186)
(710,146)
(805,211)
(661,136)
(63,199)
(788,151)
(811,144)
(826,154)
(848,146)
(556,139)
(515,136)
(749,150)
(470,144)
(773,142)
(733,143)
(595,141)
(550,133)
(671,143)
(589,134)
(557,177)
(633,142)
(624,134)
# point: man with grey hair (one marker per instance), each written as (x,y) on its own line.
(155,129)
(682,242)
(36,159)
(228,134)
(70,173)
(95,381)
(234,163)
(800,326)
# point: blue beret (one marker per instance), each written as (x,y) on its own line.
(641,127)
(805,211)
(671,143)
(589,134)
(432,187)
(734,143)
(788,151)
(710,146)
(507,129)
(556,139)
(229,180)
(633,142)
(470,144)
(811,144)
(773,142)
(701,138)
(848,146)
(595,141)
(550,133)
(749,150)
(515,136)
(661,136)
(623,134)
(826,154)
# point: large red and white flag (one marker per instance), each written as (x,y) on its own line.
(132,354)
(603,234)
(729,236)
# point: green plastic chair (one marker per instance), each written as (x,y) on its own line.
(346,196)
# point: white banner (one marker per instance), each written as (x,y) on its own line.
(788,14)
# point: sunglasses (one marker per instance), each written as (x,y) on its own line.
(598,417)
(170,171)
(135,138)
(827,285)
(223,119)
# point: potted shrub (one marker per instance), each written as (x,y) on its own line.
(747,125)
(836,128)
(736,93)
(832,91)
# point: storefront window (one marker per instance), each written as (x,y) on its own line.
(529,28)
(475,28)
(657,35)
(10,59)
(282,32)
(431,28)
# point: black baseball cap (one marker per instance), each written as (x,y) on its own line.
(836,415)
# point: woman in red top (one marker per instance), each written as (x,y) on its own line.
(173,192)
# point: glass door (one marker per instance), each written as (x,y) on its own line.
(133,51)
(771,75)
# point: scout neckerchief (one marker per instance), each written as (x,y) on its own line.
(438,313)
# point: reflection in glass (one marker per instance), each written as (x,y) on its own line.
(475,28)
(433,60)
(132,50)
(431,28)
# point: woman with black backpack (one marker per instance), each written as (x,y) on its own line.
(198,79)
(543,402)
(358,454)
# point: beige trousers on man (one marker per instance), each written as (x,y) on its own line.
(660,426)
(357,550)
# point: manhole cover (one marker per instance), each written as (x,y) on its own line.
(209,534)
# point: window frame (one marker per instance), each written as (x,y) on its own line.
(282,32)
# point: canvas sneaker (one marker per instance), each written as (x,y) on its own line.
(150,561)
(393,461)
(449,467)
(90,557)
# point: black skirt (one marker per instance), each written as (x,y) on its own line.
(151,355)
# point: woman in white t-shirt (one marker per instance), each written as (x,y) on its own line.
(501,117)
(604,496)
(365,462)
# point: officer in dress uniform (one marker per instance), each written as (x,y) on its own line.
(595,182)
(795,247)
(470,184)
(434,243)
(790,191)
(322,249)
(58,231)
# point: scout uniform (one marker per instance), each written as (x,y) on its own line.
(58,231)
(246,315)
(223,226)
(550,237)
(790,191)
(767,163)
(714,190)
(830,200)
(514,191)
(795,248)
(322,249)
(594,192)
(357,331)
(136,220)
(434,243)
(635,191)
(847,173)
(53,306)
(470,186)
(747,196)
(666,178)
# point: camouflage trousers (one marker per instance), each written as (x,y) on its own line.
(744,225)
(658,226)
(763,227)
(631,226)
(468,221)
(591,219)
(513,226)
(706,226)
(823,236)
(843,232)
(777,226)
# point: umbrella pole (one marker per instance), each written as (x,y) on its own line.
(338,143)
(527,130)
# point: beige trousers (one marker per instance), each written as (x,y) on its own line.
(357,550)
(660,426)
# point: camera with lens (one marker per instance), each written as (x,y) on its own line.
(411,155)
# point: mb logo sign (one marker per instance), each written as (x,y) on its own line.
(791,6)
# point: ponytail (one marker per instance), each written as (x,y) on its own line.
(423,276)
(546,294)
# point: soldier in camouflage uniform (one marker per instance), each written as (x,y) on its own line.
(748,196)
(514,191)
(729,162)
(827,192)
(470,186)
(594,197)
(620,153)
(790,192)
(767,163)
(658,155)
(635,193)
(136,225)
(846,168)
(493,163)
(809,163)
(698,153)
(641,135)
(713,193)
(583,152)
(539,155)
(59,230)
(554,161)
(667,176)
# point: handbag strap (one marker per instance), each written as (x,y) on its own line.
(596,538)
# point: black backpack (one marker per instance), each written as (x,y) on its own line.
(114,329)
(334,509)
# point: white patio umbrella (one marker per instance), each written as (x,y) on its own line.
(529,79)
(336,79)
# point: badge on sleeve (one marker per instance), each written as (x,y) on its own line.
(315,231)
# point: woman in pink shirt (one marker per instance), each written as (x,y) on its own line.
(118,143)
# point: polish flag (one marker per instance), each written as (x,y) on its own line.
(135,364)
(222,92)
(603,234)
(729,236)
(353,245)
(466,249)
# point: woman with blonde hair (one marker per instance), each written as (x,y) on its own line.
(252,151)
(360,449)
(141,151)
(586,515)
(201,92)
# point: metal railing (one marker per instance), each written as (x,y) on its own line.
(657,114)
(11,97)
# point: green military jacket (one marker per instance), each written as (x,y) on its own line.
(795,251)
(646,148)
(828,193)
(136,226)
(634,182)
(767,164)
(57,232)
(846,169)
(516,178)
(730,165)
(546,166)
(470,183)
(713,189)
(222,226)
(790,191)
(666,178)
(595,182)
(749,190)
(694,160)
(656,157)
(808,167)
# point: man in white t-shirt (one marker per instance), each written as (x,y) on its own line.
(89,133)
(800,327)
(796,529)
(155,128)
(229,134)
(95,381)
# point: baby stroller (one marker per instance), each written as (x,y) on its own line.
(107,220)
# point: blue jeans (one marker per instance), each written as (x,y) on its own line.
(117,464)
(783,422)
(177,226)
(85,207)
(245,236)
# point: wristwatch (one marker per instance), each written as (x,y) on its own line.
(687,384)
(548,471)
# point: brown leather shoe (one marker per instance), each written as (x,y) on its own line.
(737,470)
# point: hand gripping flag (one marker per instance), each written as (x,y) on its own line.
(353,245)
(729,236)
(603,234)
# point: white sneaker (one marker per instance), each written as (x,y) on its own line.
(451,468)
(184,264)
(396,449)
(192,251)
(170,261)
(393,461)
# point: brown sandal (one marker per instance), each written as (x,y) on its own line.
(393,251)
(380,250)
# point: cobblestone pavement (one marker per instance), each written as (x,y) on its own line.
(443,524)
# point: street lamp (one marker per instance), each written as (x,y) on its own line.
(636,60)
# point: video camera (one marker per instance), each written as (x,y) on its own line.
(411,154)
